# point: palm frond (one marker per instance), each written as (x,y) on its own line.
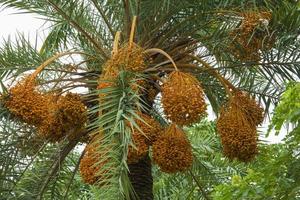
(18,56)
(118,108)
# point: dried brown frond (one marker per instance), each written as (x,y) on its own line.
(183,99)
(172,151)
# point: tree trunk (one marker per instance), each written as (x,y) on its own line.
(141,178)
(140,173)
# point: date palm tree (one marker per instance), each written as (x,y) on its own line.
(251,46)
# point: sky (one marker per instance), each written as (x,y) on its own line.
(31,26)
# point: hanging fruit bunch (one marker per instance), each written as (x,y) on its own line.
(130,57)
(91,163)
(54,116)
(88,165)
(237,126)
(184,104)
(238,121)
(67,118)
(253,111)
(172,151)
(26,103)
(252,36)
(143,138)
(183,98)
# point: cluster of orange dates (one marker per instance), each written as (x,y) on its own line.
(252,36)
(237,126)
(55,116)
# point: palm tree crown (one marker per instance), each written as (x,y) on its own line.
(137,75)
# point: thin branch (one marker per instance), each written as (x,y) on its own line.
(60,157)
(61,79)
(226,84)
(104,17)
(276,98)
(28,165)
(199,186)
(191,68)
(73,175)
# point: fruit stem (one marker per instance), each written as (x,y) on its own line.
(51,60)
(156,50)
(226,84)
(116,43)
(132,31)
